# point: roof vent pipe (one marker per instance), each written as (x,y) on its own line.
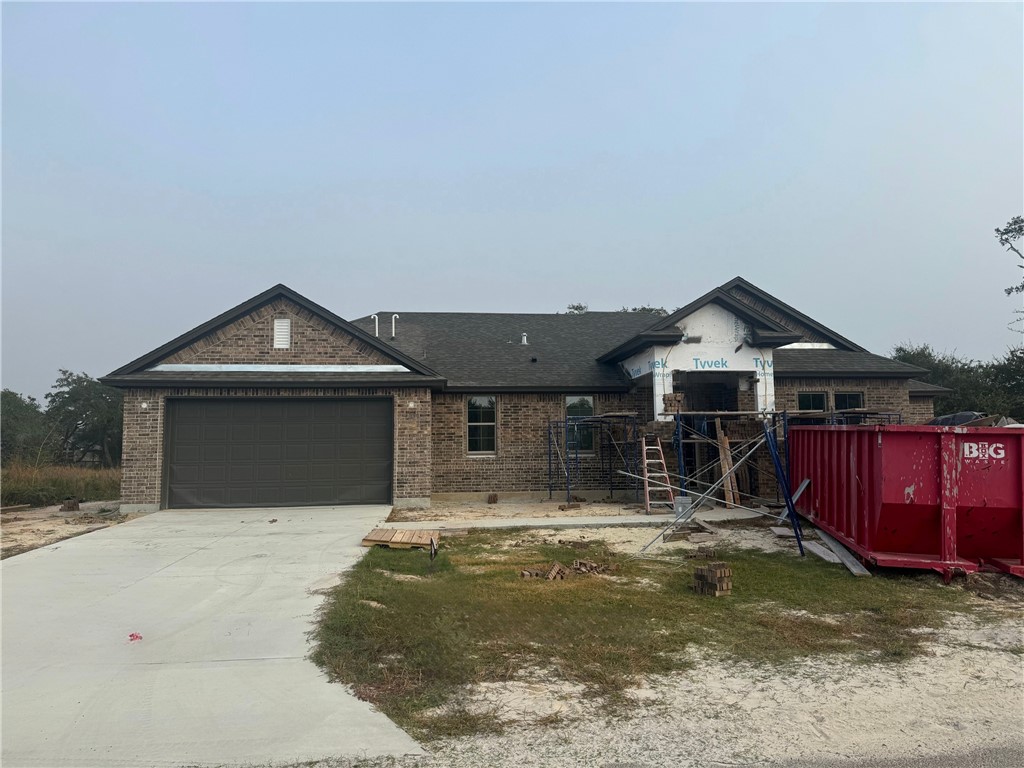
(524,339)
(376,326)
(393,318)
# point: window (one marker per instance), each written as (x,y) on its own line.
(811,401)
(482,412)
(282,333)
(581,436)
(846,400)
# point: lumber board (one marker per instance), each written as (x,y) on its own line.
(823,552)
(725,459)
(400,538)
(782,532)
(851,562)
(706,527)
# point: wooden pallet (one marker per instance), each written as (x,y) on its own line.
(397,538)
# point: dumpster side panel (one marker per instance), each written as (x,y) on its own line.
(929,497)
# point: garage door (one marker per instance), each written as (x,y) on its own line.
(266,453)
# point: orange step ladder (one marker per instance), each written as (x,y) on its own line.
(660,492)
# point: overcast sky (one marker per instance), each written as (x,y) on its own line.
(163,163)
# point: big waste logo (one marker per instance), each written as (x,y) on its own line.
(982,450)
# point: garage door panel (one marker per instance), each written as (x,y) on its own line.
(272,432)
(215,433)
(184,473)
(213,473)
(189,432)
(273,452)
(296,452)
(269,473)
(241,474)
(242,433)
(213,453)
(244,453)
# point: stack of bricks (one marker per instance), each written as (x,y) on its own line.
(674,402)
(713,579)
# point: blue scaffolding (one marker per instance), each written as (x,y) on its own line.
(618,446)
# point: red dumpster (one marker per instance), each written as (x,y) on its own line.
(949,499)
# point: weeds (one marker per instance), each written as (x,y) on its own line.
(470,619)
(44,485)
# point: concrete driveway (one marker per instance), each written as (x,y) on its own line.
(223,602)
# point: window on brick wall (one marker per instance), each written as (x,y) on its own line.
(482,423)
(846,400)
(581,436)
(811,401)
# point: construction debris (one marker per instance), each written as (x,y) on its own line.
(713,579)
(70,505)
(589,566)
(564,507)
(558,572)
(396,538)
(825,554)
(492,498)
(702,552)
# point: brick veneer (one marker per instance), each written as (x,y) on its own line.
(142,465)
(250,340)
(520,462)
(921,410)
(890,395)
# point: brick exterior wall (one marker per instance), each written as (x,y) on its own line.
(520,462)
(890,395)
(920,411)
(143,459)
(250,339)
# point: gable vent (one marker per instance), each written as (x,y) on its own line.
(282,333)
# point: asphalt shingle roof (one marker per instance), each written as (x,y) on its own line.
(480,350)
(836,362)
(924,388)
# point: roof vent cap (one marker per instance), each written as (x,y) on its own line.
(524,339)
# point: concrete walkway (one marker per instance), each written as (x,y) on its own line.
(639,520)
(222,602)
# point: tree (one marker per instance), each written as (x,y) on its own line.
(660,311)
(576,309)
(86,417)
(996,387)
(26,434)
(1007,236)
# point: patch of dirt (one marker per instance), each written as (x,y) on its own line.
(952,700)
(446,511)
(630,540)
(28,529)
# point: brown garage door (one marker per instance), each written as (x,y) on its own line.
(266,453)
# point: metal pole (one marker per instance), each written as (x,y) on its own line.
(704,496)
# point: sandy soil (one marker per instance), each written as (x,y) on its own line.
(442,511)
(738,535)
(967,692)
(29,529)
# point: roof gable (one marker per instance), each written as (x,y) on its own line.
(793,320)
(247,330)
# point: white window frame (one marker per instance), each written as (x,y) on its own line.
(492,424)
(282,333)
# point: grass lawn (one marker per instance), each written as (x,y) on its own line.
(409,635)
